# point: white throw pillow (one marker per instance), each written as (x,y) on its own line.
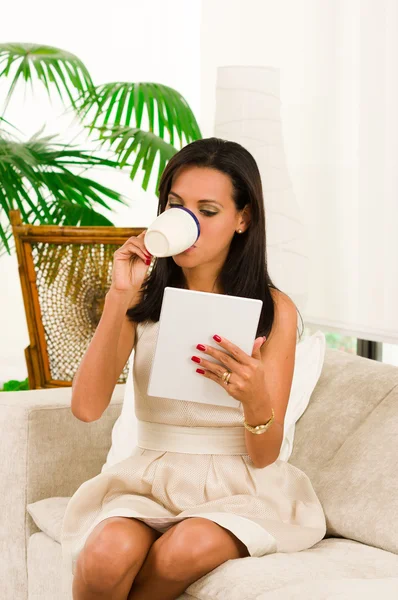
(48,514)
(310,355)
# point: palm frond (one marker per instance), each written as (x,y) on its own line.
(57,69)
(4,124)
(123,104)
(145,145)
(37,175)
(66,212)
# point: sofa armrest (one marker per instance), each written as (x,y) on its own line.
(45,452)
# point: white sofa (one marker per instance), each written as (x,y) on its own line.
(346,441)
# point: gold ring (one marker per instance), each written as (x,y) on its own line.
(226,377)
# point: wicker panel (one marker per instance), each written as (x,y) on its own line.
(72,281)
(65,273)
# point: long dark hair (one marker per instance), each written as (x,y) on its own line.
(244,272)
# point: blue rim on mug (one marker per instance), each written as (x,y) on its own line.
(192,215)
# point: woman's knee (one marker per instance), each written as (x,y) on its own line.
(116,546)
(187,550)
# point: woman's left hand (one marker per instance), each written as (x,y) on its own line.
(247,381)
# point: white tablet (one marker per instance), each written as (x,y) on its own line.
(188,318)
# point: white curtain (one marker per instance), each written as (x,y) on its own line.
(343,117)
(354,240)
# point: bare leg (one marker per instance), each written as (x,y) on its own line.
(160,589)
(81,591)
(170,567)
(112,556)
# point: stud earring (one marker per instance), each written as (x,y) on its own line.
(239,231)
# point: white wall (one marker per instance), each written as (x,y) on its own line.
(131,40)
(267,33)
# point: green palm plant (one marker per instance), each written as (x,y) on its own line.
(117,111)
(38,176)
(55,68)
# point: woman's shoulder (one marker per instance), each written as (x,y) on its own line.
(282,300)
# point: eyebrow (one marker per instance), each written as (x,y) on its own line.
(179,197)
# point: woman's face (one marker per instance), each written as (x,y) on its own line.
(208,194)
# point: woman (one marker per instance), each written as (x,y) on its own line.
(154,523)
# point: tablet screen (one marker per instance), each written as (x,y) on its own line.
(189,318)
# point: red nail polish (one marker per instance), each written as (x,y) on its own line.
(201,371)
(201,347)
(217,338)
(195,359)
(147,261)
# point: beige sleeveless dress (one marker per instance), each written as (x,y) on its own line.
(191,460)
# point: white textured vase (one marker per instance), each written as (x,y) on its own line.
(248,112)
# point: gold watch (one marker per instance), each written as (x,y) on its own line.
(258,429)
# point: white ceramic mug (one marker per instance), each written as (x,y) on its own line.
(172,232)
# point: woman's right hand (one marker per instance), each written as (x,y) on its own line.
(130,264)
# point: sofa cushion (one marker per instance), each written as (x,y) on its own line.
(347,444)
(363,504)
(45,583)
(247,578)
(47,577)
(337,589)
(332,558)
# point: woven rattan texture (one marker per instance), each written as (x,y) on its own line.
(72,281)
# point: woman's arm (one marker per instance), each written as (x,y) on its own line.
(105,357)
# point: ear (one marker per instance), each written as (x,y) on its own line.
(245,217)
